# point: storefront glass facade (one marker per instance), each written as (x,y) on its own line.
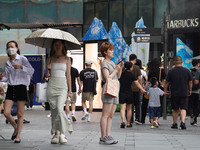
(126,13)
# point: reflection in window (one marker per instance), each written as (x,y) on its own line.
(116,13)
(102,13)
(145,11)
(88,16)
(130,17)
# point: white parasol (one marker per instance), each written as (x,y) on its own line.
(44,38)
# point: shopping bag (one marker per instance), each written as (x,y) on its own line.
(41,92)
(111,88)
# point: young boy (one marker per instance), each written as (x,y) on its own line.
(154,102)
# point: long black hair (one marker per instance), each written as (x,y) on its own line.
(154,67)
(139,63)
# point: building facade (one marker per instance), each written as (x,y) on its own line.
(184,20)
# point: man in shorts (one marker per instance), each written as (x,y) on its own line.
(88,78)
(180,81)
(74,77)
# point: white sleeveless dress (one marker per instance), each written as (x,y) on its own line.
(57,95)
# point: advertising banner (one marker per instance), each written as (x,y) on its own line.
(36,62)
(185,52)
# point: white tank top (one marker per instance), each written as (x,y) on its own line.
(58,69)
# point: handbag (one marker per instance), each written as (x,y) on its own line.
(111,88)
(41,92)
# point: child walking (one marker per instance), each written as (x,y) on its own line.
(154,102)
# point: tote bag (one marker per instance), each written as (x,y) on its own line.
(41,92)
(111,88)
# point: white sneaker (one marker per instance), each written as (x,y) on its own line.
(73,118)
(55,139)
(137,122)
(84,116)
(89,119)
(155,123)
(62,139)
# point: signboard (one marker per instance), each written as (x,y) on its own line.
(36,63)
(151,31)
(147,39)
(186,23)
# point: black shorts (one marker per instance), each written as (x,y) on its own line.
(125,98)
(16,93)
(179,102)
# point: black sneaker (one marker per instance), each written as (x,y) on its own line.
(122,125)
(129,126)
(192,119)
(174,126)
(182,125)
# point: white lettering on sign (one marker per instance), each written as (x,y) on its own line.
(34,59)
(187,23)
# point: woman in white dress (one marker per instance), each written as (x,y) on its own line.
(58,89)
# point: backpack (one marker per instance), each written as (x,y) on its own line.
(194,86)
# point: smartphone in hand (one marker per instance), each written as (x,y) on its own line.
(121,60)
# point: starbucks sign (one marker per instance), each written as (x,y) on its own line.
(186,23)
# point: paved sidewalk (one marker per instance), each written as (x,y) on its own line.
(36,135)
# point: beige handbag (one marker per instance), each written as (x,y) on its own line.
(111,88)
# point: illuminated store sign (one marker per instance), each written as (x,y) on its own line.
(187,23)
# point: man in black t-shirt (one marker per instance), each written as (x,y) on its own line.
(180,80)
(88,78)
(74,77)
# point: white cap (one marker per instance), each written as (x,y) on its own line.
(88,62)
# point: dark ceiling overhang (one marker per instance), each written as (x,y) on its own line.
(9,26)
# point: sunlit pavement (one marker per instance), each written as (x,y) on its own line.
(36,134)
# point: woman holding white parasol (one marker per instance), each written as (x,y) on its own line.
(59,84)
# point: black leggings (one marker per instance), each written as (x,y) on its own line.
(194,105)
(144,108)
(136,103)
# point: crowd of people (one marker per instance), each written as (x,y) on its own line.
(139,90)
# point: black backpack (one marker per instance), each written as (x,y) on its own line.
(194,86)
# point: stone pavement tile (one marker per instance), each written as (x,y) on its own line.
(36,135)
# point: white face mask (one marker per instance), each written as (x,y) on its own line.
(11,51)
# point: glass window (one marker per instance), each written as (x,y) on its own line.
(70,12)
(159,7)
(12,12)
(177,9)
(102,13)
(130,17)
(115,14)
(192,8)
(88,16)
(145,11)
(43,13)
(155,51)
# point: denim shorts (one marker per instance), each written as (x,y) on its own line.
(154,112)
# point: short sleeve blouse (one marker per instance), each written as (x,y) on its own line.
(110,66)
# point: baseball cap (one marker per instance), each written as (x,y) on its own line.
(88,62)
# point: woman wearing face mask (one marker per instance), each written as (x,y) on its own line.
(17,74)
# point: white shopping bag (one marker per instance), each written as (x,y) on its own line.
(41,92)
